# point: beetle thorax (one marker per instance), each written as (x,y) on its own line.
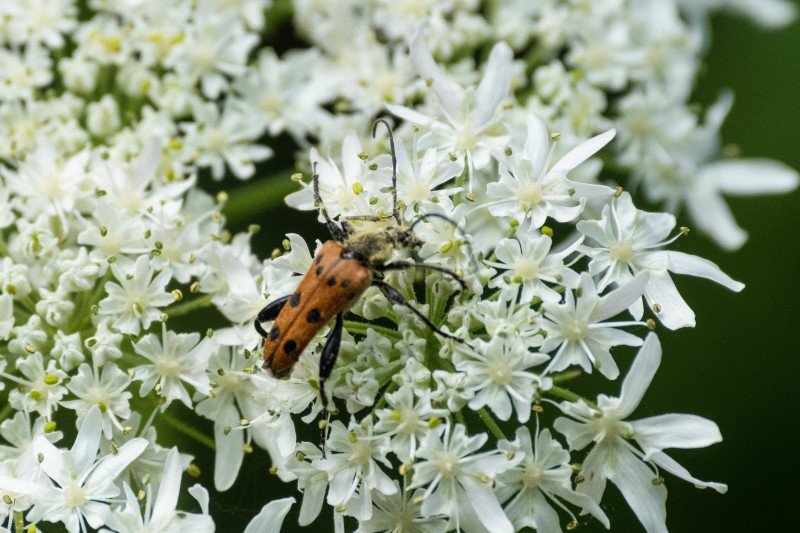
(376,247)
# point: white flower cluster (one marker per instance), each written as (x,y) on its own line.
(505,112)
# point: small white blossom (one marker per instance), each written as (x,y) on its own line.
(134,301)
(177,358)
(614,458)
(455,476)
(104,388)
(577,329)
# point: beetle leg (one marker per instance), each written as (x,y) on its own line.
(270,312)
(403,265)
(328,358)
(397,297)
(368,218)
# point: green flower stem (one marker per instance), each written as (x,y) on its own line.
(247,201)
(191,305)
(189,431)
(360,328)
(491,424)
(570,396)
(19,521)
(567,376)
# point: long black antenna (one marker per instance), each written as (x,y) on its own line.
(395,212)
(337,232)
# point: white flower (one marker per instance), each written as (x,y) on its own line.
(543,476)
(532,187)
(628,244)
(352,464)
(529,263)
(633,468)
(283,93)
(497,372)
(55,306)
(134,301)
(399,512)
(220,138)
(181,358)
(418,180)
(344,192)
(455,477)
(40,390)
(408,420)
(104,388)
(212,47)
(102,117)
(45,182)
(578,330)
(160,513)
(461,120)
(77,486)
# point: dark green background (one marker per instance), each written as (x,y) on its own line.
(739,366)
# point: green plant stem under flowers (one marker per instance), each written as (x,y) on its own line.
(570,396)
(188,430)
(360,328)
(185,307)
(19,521)
(490,423)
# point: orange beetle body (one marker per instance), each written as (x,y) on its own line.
(330,286)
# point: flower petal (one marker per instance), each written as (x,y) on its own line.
(494,85)
(271,517)
(673,312)
(622,297)
(713,216)
(692,265)
(640,375)
(449,93)
(748,177)
(484,503)
(675,430)
(635,481)
(583,151)
(670,465)
(169,487)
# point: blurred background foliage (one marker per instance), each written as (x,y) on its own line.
(738,367)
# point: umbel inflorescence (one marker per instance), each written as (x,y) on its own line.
(526,123)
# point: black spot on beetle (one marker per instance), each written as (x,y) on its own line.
(319,258)
(313,316)
(289,346)
(331,281)
(295,299)
(345,283)
(274,333)
(319,270)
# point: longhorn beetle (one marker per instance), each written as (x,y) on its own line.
(343,269)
